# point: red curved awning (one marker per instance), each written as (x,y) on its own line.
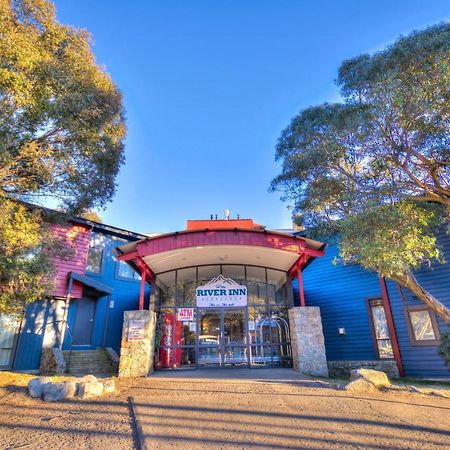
(227,246)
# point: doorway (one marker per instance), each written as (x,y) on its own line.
(222,337)
(84,322)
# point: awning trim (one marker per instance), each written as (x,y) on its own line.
(100,287)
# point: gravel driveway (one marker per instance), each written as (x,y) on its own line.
(27,423)
(226,409)
(256,410)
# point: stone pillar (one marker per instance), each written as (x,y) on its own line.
(52,362)
(138,344)
(307,341)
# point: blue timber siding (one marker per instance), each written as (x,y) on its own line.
(29,343)
(109,313)
(341,292)
(109,310)
(423,361)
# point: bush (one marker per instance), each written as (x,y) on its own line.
(444,347)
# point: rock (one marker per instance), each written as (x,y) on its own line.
(109,386)
(89,379)
(52,361)
(71,389)
(36,385)
(377,378)
(89,390)
(55,392)
(360,386)
(342,369)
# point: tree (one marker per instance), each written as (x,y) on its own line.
(92,215)
(61,132)
(371,168)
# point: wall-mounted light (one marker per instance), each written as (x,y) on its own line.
(341,331)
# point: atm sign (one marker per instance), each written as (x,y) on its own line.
(185,314)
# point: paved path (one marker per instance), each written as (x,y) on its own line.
(280,409)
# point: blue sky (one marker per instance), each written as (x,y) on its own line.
(209,85)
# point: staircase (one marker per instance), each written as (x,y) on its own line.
(96,362)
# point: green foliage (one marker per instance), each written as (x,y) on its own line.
(25,270)
(91,215)
(61,136)
(444,347)
(388,140)
(368,168)
(391,239)
(61,117)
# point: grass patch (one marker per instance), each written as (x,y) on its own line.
(419,382)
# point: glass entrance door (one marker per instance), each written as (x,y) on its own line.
(209,338)
(234,338)
(222,338)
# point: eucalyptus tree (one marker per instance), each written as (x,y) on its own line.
(61,136)
(374,169)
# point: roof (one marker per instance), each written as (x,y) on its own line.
(89,223)
(94,284)
(221,246)
(219,224)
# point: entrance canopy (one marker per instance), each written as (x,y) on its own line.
(188,248)
(100,288)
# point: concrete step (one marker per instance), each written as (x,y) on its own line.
(83,362)
(92,367)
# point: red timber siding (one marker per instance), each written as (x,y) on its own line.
(243,224)
(186,239)
(76,237)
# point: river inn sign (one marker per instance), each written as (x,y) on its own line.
(219,292)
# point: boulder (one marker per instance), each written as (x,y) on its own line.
(109,386)
(71,389)
(361,386)
(89,379)
(36,386)
(55,392)
(89,390)
(376,377)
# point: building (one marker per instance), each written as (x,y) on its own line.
(368,321)
(228,293)
(85,312)
(221,291)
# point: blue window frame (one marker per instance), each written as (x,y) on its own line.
(97,245)
(125,272)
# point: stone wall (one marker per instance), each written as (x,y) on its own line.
(307,341)
(137,345)
(52,362)
(342,369)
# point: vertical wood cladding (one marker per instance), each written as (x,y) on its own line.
(76,237)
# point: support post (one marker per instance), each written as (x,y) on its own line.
(137,346)
(300,286)
(62,333)
(391,326)
(307,341)
(142,292)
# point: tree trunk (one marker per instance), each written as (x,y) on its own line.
(408,280)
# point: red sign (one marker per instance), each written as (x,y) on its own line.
(185,314)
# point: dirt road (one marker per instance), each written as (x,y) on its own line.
(27,423)
(210,412)
(233,409)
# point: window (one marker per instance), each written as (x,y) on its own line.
(124,270)
(423,327)
(9,326)
(257,335)
(95,253)
(380,329)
